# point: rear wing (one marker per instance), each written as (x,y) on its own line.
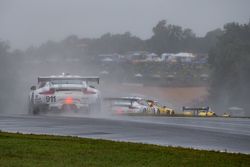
(87,79)
(120,98)
(113,99)
(195,108)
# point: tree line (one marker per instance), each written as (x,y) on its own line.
(166,38)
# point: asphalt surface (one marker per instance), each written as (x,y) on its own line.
(224,134)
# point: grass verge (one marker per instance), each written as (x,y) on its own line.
(43,150)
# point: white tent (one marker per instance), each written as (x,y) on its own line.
(182,56)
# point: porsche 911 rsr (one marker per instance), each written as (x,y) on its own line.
(64,93)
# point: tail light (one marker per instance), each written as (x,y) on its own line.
(88,91)
(49,92)
(119,111)
(68,100)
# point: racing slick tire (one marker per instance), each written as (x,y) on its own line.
(36,110)
(33,110)
(171,113)
(158,112)
(154,111)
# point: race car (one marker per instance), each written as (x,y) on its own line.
(206,114)
(198,111)
(130,105)
(161,110)
(226,115)
(64,93)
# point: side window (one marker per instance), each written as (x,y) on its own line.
(48,84)
(41,84)
(84,84)
(133,103)
(143,102)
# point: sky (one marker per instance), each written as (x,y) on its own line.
(32,22)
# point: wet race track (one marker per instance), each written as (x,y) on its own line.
(224,134)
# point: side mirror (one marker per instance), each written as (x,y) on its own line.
(91,86)
(33,88)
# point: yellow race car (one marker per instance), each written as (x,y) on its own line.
(188,113)
(198,111)
(161,110)
(206,114)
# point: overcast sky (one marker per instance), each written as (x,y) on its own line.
(32,22)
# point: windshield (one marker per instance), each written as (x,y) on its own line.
(122,102)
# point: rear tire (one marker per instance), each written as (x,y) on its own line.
(158,112)
(33,110)
(36,111)
(172,113)
(154,111)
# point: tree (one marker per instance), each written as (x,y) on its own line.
(115,43)
(4,71)
(230,64)
(170,38)
(4,53)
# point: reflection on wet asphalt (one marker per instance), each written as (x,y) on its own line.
(230,134)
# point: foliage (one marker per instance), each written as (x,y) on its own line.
(172,39)
(4,64)
(166,38)
(230,64)
(169,38)
(115,43)
(71,47)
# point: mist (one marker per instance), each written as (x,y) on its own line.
(41,38)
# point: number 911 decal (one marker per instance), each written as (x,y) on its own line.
(50,99)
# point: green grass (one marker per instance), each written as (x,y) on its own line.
(42,150)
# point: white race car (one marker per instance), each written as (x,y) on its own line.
(130,105)
(64,93)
